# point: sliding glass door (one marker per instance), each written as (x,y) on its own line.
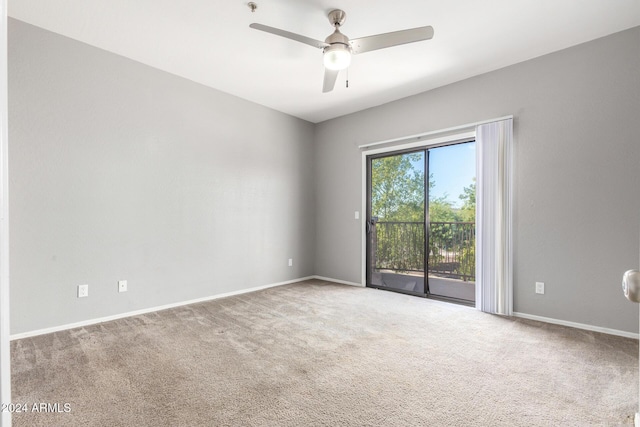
(421,222)
(396,222)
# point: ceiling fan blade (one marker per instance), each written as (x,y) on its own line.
(381,41)
(330,77)
(293,36)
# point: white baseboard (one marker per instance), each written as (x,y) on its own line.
(578,325)
(149,310)
(342,282)
(288,282)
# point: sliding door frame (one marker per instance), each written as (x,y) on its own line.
(367,213)
(415,144)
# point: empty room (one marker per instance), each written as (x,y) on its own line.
(232,213)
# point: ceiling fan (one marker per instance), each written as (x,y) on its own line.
(338,48)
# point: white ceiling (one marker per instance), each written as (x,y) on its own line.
(210,42)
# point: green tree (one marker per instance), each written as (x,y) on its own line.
(468,214)
(397,188)
(397,193)
(468,197)
(398,199)
(441,210)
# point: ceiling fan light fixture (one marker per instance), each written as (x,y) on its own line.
(337,57)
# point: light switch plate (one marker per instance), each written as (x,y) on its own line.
(539,288)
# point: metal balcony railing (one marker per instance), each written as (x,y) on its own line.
(400,246)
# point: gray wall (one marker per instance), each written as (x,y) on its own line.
(121,171)
(577,174)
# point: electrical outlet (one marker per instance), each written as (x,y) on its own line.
(83,291)
(539,288)
(290,262)
(357,215)
(122,286)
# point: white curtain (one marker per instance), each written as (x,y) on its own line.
(494,247)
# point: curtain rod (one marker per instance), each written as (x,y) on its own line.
(435,132)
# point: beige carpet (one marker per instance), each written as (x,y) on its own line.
(320,354)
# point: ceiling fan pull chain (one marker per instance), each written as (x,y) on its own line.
(347,78)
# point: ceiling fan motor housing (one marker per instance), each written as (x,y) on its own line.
(337,37)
